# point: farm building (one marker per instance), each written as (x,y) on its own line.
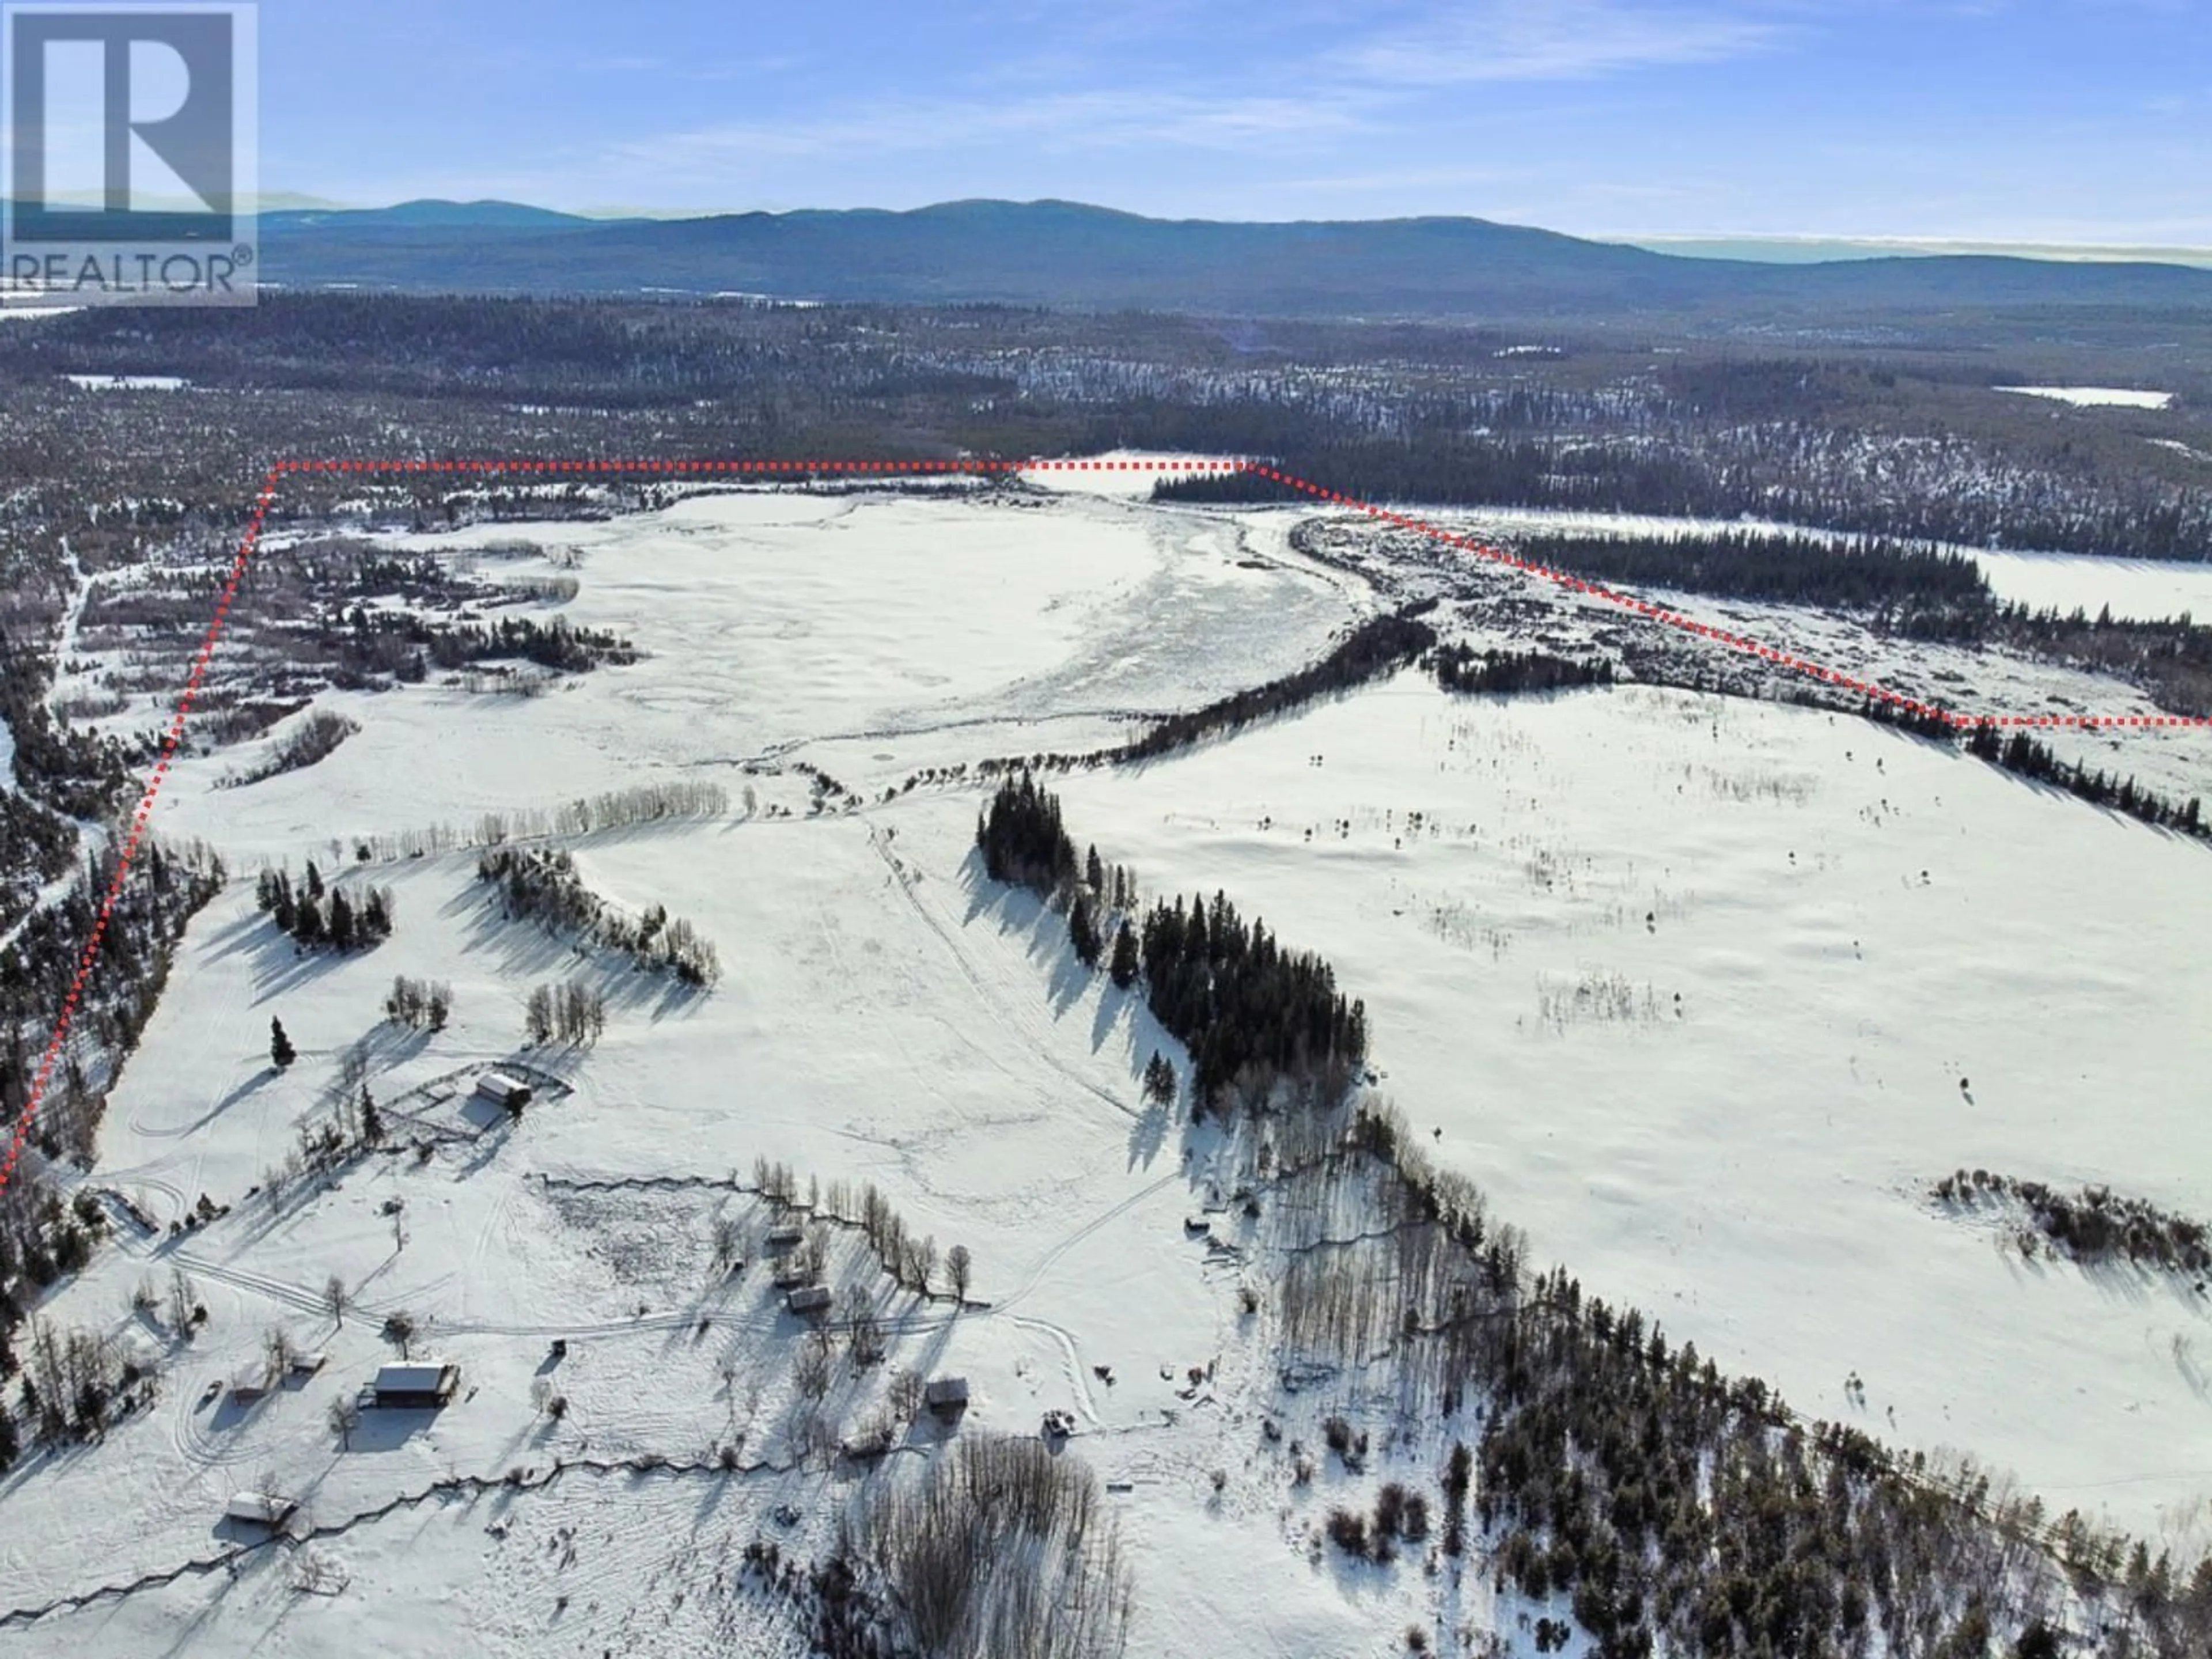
(947,1396)
(306,1365)
(780,1239)
(422,1384)
(814,1299)
(508,1093)
(259,1509)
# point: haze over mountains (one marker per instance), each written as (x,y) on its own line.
(1067,254)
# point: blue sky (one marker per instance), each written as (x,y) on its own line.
(2024,120)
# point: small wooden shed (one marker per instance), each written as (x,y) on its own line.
(808,1302)
(420,1385)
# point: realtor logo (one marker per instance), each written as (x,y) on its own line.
(130,153)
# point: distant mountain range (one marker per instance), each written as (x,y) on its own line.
(1068,255)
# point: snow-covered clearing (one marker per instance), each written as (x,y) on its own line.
(2095,397)
(1891,961)
(128,382)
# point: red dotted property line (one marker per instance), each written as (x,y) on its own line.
(1652,613)
(130,849)
(174,738)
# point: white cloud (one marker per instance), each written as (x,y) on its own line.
(1558,41)
(1059,121)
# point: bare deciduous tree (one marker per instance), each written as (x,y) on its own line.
(400,1330)
(184,1296)
(727,1240)
(810,1366)
(1001,1548)
(958,1265)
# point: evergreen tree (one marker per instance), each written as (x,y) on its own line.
(308,921)
(10,1444)
(1124,964)
(281,1051)
(1083,932)
(1159,1079)
(372,1120)
(341,921)
(315,881)
(1094,873)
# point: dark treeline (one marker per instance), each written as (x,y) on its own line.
(1914,592)
(543,885)
(406,646)
(39,1238)
(79,774)
(1373,649)
(2171,660)
(2023,754)
(1376,647)
(36,846)
(1918,589)
(1251,1013)
(2092,1225)
(1665,455)
(1458,667)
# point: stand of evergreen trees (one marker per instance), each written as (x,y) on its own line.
(321,915)
(41,1237)
(1909,591)
(2023,754)
(1376,647)
(1705,463)
(1459,668)
(542,884)
(1924,592)
(1251,1013)
(1023,839)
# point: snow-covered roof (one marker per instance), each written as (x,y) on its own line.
(264,1509)
(418,1377)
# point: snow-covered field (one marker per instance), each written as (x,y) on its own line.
(127,382)
(1707,994)
(2096,397)
(1889,960)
